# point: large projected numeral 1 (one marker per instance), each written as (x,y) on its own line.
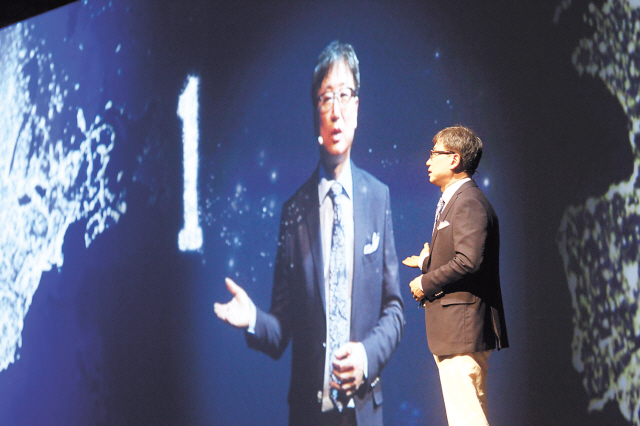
(190,237)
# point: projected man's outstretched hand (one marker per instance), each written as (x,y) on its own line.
(237,311)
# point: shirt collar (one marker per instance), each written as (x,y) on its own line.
(345,179)
(451,189)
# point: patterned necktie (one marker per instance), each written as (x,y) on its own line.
(338,309)
(438,212)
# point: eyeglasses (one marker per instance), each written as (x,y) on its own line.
(328,98)
(436,153)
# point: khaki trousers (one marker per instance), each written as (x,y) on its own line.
(464,387)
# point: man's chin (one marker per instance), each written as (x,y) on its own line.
(334,155)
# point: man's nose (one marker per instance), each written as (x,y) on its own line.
(336,110)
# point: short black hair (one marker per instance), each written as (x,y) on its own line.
(332,54)
(463,141)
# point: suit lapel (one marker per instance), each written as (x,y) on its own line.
(315,240)
(361,202)
(361,223)
(447,208)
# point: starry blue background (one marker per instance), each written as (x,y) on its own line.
(124,332)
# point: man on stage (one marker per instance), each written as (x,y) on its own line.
(460,282)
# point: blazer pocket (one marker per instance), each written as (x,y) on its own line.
(373,257)
(458,298)
(442,224)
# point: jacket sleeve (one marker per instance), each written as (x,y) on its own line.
(273,329)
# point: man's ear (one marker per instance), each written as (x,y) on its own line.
(455,162)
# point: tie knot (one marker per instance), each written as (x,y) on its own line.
(335,192)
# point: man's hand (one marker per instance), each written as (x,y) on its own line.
(238,310)
(348,367)
(416,288)
(415,261)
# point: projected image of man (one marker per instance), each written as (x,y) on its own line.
(336,292)
(460,282)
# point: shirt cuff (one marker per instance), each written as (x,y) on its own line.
(365,362)
(252,318)
(422,258)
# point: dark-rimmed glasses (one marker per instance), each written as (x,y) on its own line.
(328,98)
(436,153)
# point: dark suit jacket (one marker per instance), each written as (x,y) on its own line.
(298,298)
(464,265)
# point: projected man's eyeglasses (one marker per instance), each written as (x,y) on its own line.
(343,96)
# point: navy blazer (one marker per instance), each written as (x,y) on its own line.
(468,316)
(298,298)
